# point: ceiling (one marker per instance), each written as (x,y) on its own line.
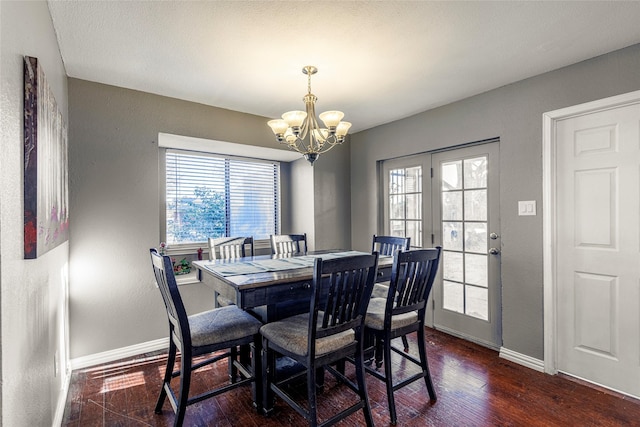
(378,61)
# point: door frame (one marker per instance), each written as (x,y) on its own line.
(549,212)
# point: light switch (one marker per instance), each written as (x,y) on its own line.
(526,207)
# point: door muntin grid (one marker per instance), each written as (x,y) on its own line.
(405,203)
(464,221)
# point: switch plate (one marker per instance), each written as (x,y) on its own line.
(526,207)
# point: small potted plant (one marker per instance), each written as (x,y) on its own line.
(181,267)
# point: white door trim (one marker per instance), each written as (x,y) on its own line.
(549,120)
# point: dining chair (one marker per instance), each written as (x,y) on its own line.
(387,246)
(403,312)
(288,244)
(331,330)
(201,334)
(229,248)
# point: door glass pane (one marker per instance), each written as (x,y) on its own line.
(396,228)
(414,230)
(475,172)
(477,302)
(452,206)
(452,176)
(475,237)
(475,205)
(414,180)
(453,296)
(452,236)
(396,207)
(452,266)
(414,206)
(405,203)
(475,269)
(396,181)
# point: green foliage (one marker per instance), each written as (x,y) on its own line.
(197,218)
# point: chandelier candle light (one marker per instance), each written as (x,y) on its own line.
(295,126)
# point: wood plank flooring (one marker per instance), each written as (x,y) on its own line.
(475,388)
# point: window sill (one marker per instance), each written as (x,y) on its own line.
(188,279)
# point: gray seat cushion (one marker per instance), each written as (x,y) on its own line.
(292,335)
(375,316)
(222,324)
(380,290)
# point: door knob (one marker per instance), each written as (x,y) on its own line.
(494,251)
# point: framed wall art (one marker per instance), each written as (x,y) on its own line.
(46,184)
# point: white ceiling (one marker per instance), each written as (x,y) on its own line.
(378,61)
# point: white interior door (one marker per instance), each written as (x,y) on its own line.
(465,194)
(598,247)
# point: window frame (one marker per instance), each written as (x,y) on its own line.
(192,247)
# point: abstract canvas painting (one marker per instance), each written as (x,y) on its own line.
(46,185)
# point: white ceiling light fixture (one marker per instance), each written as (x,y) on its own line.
(299,130)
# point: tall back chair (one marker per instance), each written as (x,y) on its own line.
(223,328)
(388,245)
(230,247)
(288,244)
(331,331)
(401,313)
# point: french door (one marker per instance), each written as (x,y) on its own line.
(450,199)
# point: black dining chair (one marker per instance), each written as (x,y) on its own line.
(200,334)
(288,244)
(403,312)
(387,246)
(229,248)
(331,331)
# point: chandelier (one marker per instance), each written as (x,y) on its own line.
(295,126)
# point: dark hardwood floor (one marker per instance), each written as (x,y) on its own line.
(475,388)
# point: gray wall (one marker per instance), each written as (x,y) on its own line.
(33,291)
(332,201)
(514,114)
(114,205)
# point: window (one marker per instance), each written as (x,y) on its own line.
(211,195)
(405,203)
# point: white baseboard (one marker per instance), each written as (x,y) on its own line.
(119,353)
(522,359)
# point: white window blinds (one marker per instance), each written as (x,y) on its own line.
(213,196)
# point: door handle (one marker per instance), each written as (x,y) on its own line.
(494,251)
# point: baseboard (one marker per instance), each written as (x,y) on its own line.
(119,353)
(467,338)
(522,359)
(62,401)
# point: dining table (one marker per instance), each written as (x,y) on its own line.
(275,286)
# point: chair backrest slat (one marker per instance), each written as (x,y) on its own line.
(388,245)
(412,277)
(288,244)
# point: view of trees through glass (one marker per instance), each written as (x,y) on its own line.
(209,196)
